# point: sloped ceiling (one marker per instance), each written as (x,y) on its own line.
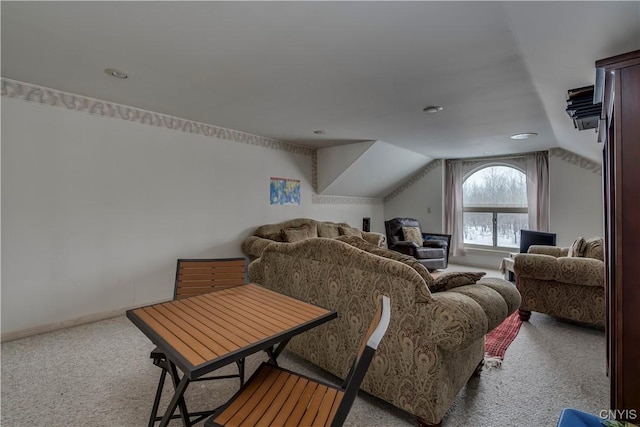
(366,169)
(359,71)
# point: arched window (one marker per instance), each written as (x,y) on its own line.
(495,207)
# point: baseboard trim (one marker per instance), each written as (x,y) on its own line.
(50,327)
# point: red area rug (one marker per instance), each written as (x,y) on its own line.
(498,340)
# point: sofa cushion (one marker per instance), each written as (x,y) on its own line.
(577,248)
(594,248)
(274,231)
(454,279)
(430,253)
(412,234)
(331,231)
(292,235)
(388,253)
(253,245)
(433,243)
(350,231)
(271,234)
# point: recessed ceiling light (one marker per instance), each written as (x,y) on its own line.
(525,135)
(432,109)
(116,73)
(319,132)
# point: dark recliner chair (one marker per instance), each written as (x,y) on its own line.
(434,251)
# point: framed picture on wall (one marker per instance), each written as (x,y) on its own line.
(284,191)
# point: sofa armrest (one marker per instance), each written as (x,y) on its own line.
(374,238)
(255,272)
(253,246)
(452,320)
(572,270)
(406,243)
(543,267)
(581,271)
(553,251)
(434,244)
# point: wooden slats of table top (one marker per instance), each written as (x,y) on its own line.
(197,277)
(279,398)
(205,327)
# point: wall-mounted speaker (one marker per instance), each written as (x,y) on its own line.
(366,224)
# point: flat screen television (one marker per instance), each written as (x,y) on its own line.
(531,237)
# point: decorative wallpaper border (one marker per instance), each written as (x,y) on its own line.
(576,159)
(46,96)
(565,155)
(42,95)
(314,171)
(38,94)
(345,200)
(415,178)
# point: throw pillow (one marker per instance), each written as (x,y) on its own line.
(349,231)
(453,279)
(412,234)
(328,230)
(577,248)
(594,248)
(292,235)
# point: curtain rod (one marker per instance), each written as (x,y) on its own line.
(505,157)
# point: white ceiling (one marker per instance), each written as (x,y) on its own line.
(360,71)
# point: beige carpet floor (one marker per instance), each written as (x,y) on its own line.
(100,374)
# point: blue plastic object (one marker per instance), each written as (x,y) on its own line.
(573,418)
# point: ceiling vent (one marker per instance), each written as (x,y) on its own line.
(580,107)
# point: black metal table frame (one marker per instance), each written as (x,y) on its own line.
(273,345)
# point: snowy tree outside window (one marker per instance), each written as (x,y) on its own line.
(495,207)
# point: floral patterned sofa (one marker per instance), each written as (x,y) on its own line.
(563,282)
(294,230)
(435,341)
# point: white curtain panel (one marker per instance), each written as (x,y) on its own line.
(453,205)
(538,190)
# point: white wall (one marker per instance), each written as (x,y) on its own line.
(575,207)
(95,210)
(423,201)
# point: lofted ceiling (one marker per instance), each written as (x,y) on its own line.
(359,71)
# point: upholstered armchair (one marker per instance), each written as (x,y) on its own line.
(430,249)
(563,282)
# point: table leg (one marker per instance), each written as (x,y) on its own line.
(274,352)
(156,401)
(180,386)
(240,364)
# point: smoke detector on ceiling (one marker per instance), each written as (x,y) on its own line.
(432,109)
(524,135)
(116,73)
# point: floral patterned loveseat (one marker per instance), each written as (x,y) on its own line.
(563,282)
(435,341)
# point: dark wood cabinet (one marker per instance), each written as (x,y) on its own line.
(618,88)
